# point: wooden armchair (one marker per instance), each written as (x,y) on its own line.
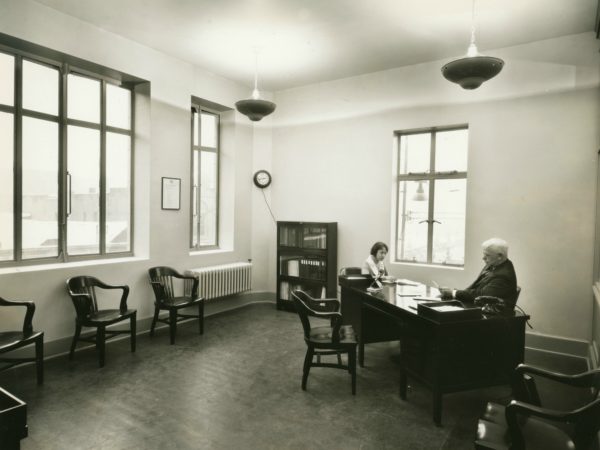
(82,290)
(11,340)
(162,280)
(525,423)
(336,339)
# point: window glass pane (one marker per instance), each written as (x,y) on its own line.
(195,216)
(83,96)
(118,193)
(195,130)
(449,235)
(208,130)
(118,107)
(451,150)
(83,225)
(412,210)
(40,88)
(6,186)
(414,153)
(7,75)
(208,198)
(40,188)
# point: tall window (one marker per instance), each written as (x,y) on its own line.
(205,178)
(431,196)
(65,163)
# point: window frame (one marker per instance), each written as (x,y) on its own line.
(198,108)
(64,67)
(430,176)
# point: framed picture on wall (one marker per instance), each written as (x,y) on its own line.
(171,193)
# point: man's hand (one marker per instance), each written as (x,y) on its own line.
(445,293)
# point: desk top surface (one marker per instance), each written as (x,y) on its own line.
(407,297)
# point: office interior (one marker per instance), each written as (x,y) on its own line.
(534,133)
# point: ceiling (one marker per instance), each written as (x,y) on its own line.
(299,42)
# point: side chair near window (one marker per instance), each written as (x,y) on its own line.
(336,339)
(11,340)
(82,290)
(526,424)
(161,279)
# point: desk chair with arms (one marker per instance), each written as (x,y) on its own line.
(82,290)
(326,340)
(526,424)
(162,280)
(11,340)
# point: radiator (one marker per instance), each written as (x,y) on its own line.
(223,280)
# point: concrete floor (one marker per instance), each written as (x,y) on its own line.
(235,387)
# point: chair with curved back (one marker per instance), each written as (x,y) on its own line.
(525,423)
(11,340)
(82,290)
(335,339)
(162,280)
(350,271)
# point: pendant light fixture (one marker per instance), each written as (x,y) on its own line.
(473,69)
(255,108)
(420,195)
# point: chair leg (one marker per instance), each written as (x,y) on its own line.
(101,345)
(75,338)
(307,363)
(133,323)
(156,311)
(352,365)
(339,358)
(201,317)
(39,359)
(172,324)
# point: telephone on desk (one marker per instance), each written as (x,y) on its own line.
(492,305)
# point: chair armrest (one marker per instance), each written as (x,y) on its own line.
(586,379)
(28,320)
(324,304)
(124,287)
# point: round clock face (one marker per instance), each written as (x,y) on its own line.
(262,179)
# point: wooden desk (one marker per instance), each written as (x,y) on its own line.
(446,357)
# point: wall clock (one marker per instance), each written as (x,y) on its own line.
(262,179)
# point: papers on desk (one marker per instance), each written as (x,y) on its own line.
(427,299)
(445,308)
(405,282)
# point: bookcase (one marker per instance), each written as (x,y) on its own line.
(307,260)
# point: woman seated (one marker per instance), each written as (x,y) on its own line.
(374,265)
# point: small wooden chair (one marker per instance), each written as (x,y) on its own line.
(327,340)
(82,290)
(11,340)
(161,279)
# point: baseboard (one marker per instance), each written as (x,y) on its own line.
(560,345)
(59,347)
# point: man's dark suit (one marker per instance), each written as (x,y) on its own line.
(497,281)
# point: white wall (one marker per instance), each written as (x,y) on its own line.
(531,174)
(163,149)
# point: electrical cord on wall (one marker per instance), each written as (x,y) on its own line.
(268,206)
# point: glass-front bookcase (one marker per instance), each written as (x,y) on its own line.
(306,260)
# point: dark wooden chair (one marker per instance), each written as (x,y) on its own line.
(335,339)
(11,340)
(161,279)
(526,424)
(82,290)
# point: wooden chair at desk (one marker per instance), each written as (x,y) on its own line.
(326,340)
(525,423)
(350,271)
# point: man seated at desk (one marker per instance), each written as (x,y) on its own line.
(497,279)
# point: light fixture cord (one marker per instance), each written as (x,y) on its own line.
(473,23)
(255,69)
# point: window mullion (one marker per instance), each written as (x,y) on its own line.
(62,164)
(18,161)
(102,196)
(431,200)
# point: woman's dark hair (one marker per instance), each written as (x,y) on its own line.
(378,246)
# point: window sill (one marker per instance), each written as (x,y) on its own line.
(212,251)
(90,262)
(432,266)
